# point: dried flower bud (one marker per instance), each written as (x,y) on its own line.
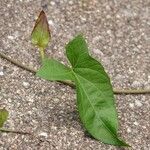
(41,33)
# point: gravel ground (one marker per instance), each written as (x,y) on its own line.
(118,33)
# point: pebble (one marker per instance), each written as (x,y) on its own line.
(128,130)
(138,103)
(131,105)
(70,2)
(52,3)
(50,22)
(9,100)
(136,84)
(26,84)
(97,51)
(56,100)
(136,123)
(31,100)
(53,128)
(44,134)
(10,37)
(1,73)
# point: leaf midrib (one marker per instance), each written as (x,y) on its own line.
(84,53)
(92,84)
(99,118)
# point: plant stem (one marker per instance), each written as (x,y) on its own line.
(131,91)
(13,61)
(42,53)
(70,83)
(13,131)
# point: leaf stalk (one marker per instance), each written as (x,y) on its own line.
(42,53)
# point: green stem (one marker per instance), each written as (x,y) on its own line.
(42,53)
(70,83)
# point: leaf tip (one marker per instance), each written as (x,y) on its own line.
(122,143)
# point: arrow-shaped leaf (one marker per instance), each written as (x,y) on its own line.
(95,97)
(94,94)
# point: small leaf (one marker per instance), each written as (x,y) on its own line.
(41,33)
(53,70)
(3,116)
(95,97)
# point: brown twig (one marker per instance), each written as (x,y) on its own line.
(13,131)
(13,61)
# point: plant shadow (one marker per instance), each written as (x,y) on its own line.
(61,117)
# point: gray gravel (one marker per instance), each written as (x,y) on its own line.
(118,33)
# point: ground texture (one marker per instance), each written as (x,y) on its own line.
(118,33)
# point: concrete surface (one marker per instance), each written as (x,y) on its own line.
(118,33)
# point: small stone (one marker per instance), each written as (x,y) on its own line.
(135,49)
(109,32)
(108,7)
(50,22)
(136,123)
(118,16)
(143,127)
(97,51)
(139,46)
(42,90)
(83,19)
(131,105)
(44,134)
(10,37)
(1,73)
(108,16)
(61,120)
(138,103)
(26,84)
(53,127)
(128,130)
(56,100)
(52,3)
(18,91)
(70,2)
(136,84)
(16,34)
(31,100)
(63,89)
(9,100)
(8,5)
(149,77)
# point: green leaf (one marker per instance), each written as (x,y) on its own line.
(53,70)
(95,97)
(3,116)
(41,34)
